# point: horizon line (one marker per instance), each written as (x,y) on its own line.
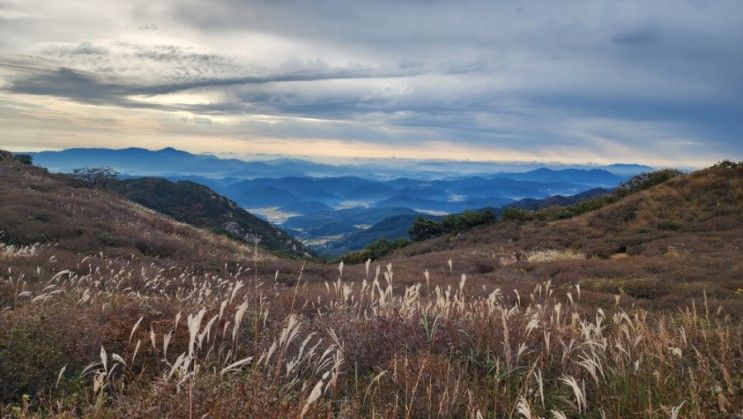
(325,159)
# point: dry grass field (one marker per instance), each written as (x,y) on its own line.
(633,310)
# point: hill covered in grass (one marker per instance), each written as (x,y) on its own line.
(202,207)
(540,317)
(532,204)
(183,201)
(37,207)
(658,246)
(626,221)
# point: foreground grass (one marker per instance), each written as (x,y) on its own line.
(116,338)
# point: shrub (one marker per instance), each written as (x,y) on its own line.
(646,180)
(424,229)
(467,219)
(517,214)
(726,165)
(669,225)
(157,245)
(95,176)
(374,250)
(24,158)
(645,288)
(33,348)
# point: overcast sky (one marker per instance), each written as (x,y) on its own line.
(656,82)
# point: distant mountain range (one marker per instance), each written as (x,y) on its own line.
(165,163)
(169,162)
(337,208)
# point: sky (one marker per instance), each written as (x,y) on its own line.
(650,81)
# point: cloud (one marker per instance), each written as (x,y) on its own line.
(640,78)
(71,84)
(644,35)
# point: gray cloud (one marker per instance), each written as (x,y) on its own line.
(645,35)
(73,84)
(663,77)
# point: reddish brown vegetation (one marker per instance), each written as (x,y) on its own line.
(649,333)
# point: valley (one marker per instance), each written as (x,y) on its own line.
(334,209)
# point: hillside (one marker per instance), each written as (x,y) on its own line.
(184,201)
(398,226)
(200,206)
(688,230)
(326,223)
(557,200)
(709,201)
(555,318)
(390,228)
(37,207)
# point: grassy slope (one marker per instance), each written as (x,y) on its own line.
(38,207)
(559,200)
(200,206)
(404,346)
(659,247)
(705,202)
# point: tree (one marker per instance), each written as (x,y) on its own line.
(95,176)
(513,213)
(646,180)
(24,158)
(726,164)
(374,250)
(425,229)
(457,222)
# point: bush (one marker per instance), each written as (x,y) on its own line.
(34,347)
(645,288)
(424,229)
(24,158)
(517,214)
(468,219)
(726,165)
(157,245)
(669,225)
(374,250)
(646,180)
(95,176)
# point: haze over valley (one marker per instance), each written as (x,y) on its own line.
(337,208)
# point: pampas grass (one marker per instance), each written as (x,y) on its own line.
(374,347)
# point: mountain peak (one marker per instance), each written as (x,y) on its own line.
(172,150)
